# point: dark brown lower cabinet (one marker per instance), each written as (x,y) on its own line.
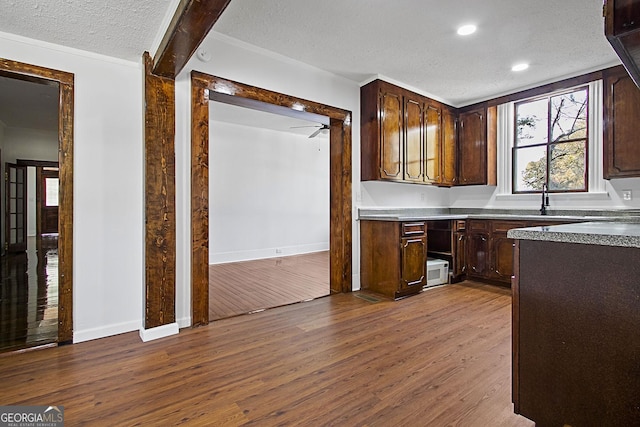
(478,248)
(502,249)
(393,257)
(490,251)
(459,264)
(576,346)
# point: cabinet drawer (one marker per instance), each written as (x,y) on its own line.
(478,224)
(459,224)
(507,225)
(413,228)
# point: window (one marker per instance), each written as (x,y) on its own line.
(551,141)
(51,191)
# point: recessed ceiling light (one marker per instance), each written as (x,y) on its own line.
(520,67)
(465,30)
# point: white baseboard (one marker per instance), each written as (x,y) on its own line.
(184,322)
(355,282)
(158,332)
(224,257)
(105,331)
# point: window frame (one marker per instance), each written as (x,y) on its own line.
(549,144)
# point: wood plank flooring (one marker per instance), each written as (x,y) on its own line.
(439,358)
(243,287)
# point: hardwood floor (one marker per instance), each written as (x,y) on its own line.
(442,357)
(29,295)
(243,287)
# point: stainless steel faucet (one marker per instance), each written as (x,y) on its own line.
(545,200)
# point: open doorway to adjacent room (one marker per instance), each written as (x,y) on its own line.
(269,214)
(206,88)
(29,142)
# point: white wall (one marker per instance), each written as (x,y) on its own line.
(30,144)
(268,192)
(108,269)
(401,195)
(250,65)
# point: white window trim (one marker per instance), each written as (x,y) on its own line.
(597,187)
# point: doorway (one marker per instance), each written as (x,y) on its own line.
(269,210)
(50,246)
(204,88)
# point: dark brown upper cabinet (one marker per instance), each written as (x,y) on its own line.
(477,146)
(433,143)
(621,154)
(449,150)
(382,125)
(622,28)
(414,134)
(406,137)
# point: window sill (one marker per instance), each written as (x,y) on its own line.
(596,195)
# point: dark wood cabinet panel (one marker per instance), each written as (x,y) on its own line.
(622,29)
(502,249)
(381,132)
(414,263)
(391,135)
(433,144)
(472,145)
(460,251)
(414,145)
(490,252)
(478,254)
(502,257)
(621,125)
(393,257)
(449,148)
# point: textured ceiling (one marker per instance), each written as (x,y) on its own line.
(119,28)
(415,41)
(409,41)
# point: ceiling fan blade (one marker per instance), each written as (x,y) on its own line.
(298,127)
(313,135)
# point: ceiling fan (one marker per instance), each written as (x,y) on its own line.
(321,128)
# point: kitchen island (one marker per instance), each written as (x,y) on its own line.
(576,324)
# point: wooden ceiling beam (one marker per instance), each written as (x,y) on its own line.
(190,25)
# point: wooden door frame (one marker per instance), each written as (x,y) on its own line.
(203,89)
(65,82)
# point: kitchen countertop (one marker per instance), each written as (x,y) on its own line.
(426,214)
(589,233)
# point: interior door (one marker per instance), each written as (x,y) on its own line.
(49,185)
(16,208)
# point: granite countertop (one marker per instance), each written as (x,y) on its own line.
(425,214)
(589,233)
